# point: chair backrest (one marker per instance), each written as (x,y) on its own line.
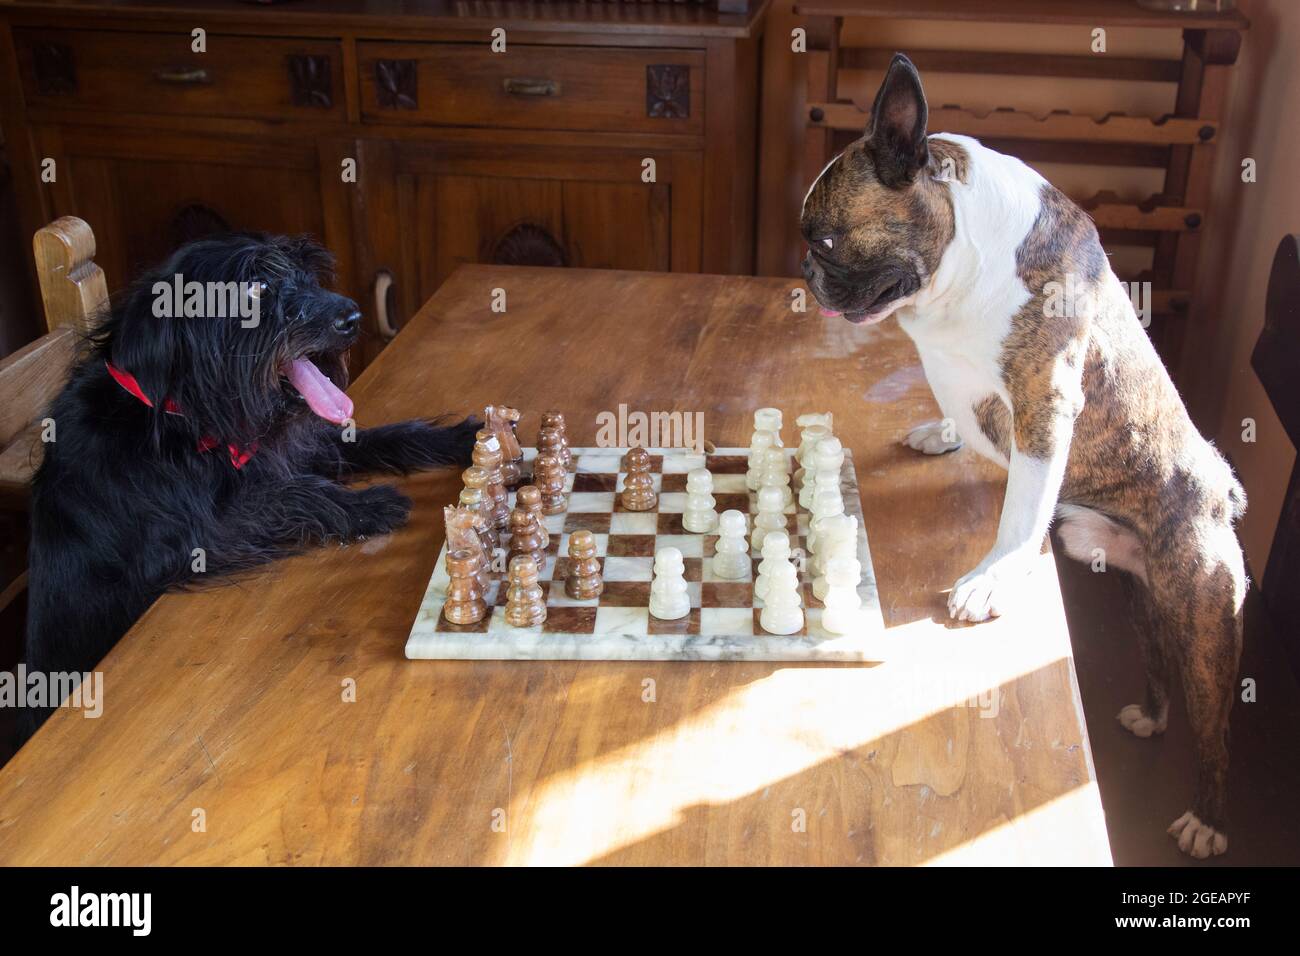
(74,292)
(73,288)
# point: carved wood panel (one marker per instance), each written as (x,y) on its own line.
(395,82)
(56,71)
(311,81)
(668,91)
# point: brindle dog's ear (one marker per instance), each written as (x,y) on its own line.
(896,130)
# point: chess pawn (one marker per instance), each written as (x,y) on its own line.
(838,540)
(487,455)
(771,515)
(551,442)
(776,550)
(776,472)
(548,477)
(526,537)
(556,420)
(769,420)
(583,581)
(828,460)
(699,515)
(808,441)
(501,421)
(816,483)
(842,613)
(758,448)
(525,604)
(475,495)
(529,498)
(731,553)
(781,612)
(827,503)
(668,597)
(638,485)
(465,604)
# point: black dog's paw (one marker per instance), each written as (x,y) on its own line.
(378,510)
(460,439)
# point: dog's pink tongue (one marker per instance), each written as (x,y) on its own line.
(828,313)
(324,397)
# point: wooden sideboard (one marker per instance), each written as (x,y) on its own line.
(535,155)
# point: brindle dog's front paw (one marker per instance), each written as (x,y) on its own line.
(933,438)
(1198,839)
(378,510)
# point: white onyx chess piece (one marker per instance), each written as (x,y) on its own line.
(776,550)
(827,503)
(731,553)
(842,613)
(758,447)
(770,517)
(769,420)
(699,514)
(668,597)
(838,540)
(824,419)
(808,441)
(776,472)
(781,612)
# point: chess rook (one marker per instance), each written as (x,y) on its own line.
(731,552)
(699,514)
(465,604)
(769,420)
(583,582)
(669,599)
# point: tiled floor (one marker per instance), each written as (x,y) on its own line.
(1146,784)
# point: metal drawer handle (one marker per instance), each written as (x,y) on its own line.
(524,86)
(183,77)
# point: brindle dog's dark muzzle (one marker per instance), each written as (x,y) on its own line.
(858,294)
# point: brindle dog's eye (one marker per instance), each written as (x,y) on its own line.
(828,242)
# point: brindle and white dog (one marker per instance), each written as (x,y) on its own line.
(976,254)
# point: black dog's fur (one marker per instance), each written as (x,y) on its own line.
(124,494)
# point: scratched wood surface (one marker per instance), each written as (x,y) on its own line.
(227,708)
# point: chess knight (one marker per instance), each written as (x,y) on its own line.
(964,245)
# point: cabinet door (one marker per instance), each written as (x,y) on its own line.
(146,192)
(516,204)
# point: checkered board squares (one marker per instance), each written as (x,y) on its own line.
(724,620)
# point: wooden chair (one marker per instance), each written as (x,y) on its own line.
(74,291)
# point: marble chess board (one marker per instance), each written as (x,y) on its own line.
(617,626)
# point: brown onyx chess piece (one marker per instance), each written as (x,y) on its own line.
(465,604)
(526,537)
(548,477)
(530,499)
(502,421)
(487,455)
(556,421)
(525,605)
(551,442)
(583,582)
(464,533)
(475,495)
(638,485)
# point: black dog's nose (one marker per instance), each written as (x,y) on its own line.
(347,324)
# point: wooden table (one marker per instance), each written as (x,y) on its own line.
(233,702)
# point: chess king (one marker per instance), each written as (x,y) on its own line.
(970,249)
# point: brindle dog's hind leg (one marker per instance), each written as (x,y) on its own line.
(1198,585)
(1151,716)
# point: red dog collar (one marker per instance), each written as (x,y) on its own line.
(238,456)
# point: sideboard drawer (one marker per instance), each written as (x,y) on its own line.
(533,87)
(123,72)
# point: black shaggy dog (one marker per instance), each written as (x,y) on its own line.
(221,434)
